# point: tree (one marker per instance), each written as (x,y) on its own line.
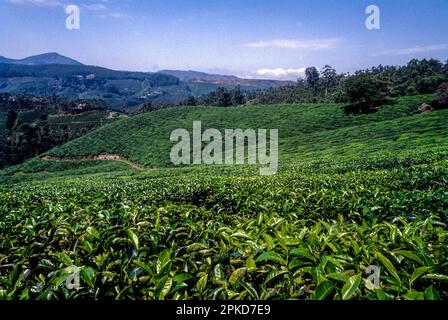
(190,101)
(429,85)
(329,78)
(149,106)
(25,141)
(223,97)
(365,91)
(312,77)
(4,151)
(442,96)
(418,76)
(237,96)
(11,119)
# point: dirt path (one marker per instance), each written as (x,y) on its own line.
(101,157)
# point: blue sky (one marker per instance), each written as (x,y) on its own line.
(251,38)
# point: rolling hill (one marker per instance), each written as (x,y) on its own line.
(306,131)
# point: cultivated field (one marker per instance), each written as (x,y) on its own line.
(352,191)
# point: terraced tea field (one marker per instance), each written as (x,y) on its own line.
(145,139)
(352,192)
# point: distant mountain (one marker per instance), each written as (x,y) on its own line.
(54,74)
(195,75)
(223,80)
(120,89)
(5,60)
(42,59)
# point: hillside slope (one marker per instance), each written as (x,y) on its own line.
(305,130)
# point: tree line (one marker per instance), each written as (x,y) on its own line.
(363,91)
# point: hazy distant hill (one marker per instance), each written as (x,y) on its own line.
(51,73)
(41,59)
(195,77)
(5,60)
(120,89)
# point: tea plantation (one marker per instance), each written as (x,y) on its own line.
(352,192)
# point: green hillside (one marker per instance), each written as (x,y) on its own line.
(352,192)
(93,119)
(303,129)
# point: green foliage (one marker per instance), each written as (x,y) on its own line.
(417,77)
(149,107)
(352,191)
(11,119)
(34,125)
(312,77)
(49,105)
(220,97)
(304,129)
(441,101)
(366,92)
(302,234)
(429,84)
(238,97)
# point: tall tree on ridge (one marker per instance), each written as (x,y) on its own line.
(329,78)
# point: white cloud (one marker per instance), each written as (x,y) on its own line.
(413,50)
(39,3)
(95,7)
(117,15)
(277,73)
(98,7)
(312,44)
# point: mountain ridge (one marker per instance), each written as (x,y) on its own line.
(42,59)
(192,76)
(51,73)
(183,75)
